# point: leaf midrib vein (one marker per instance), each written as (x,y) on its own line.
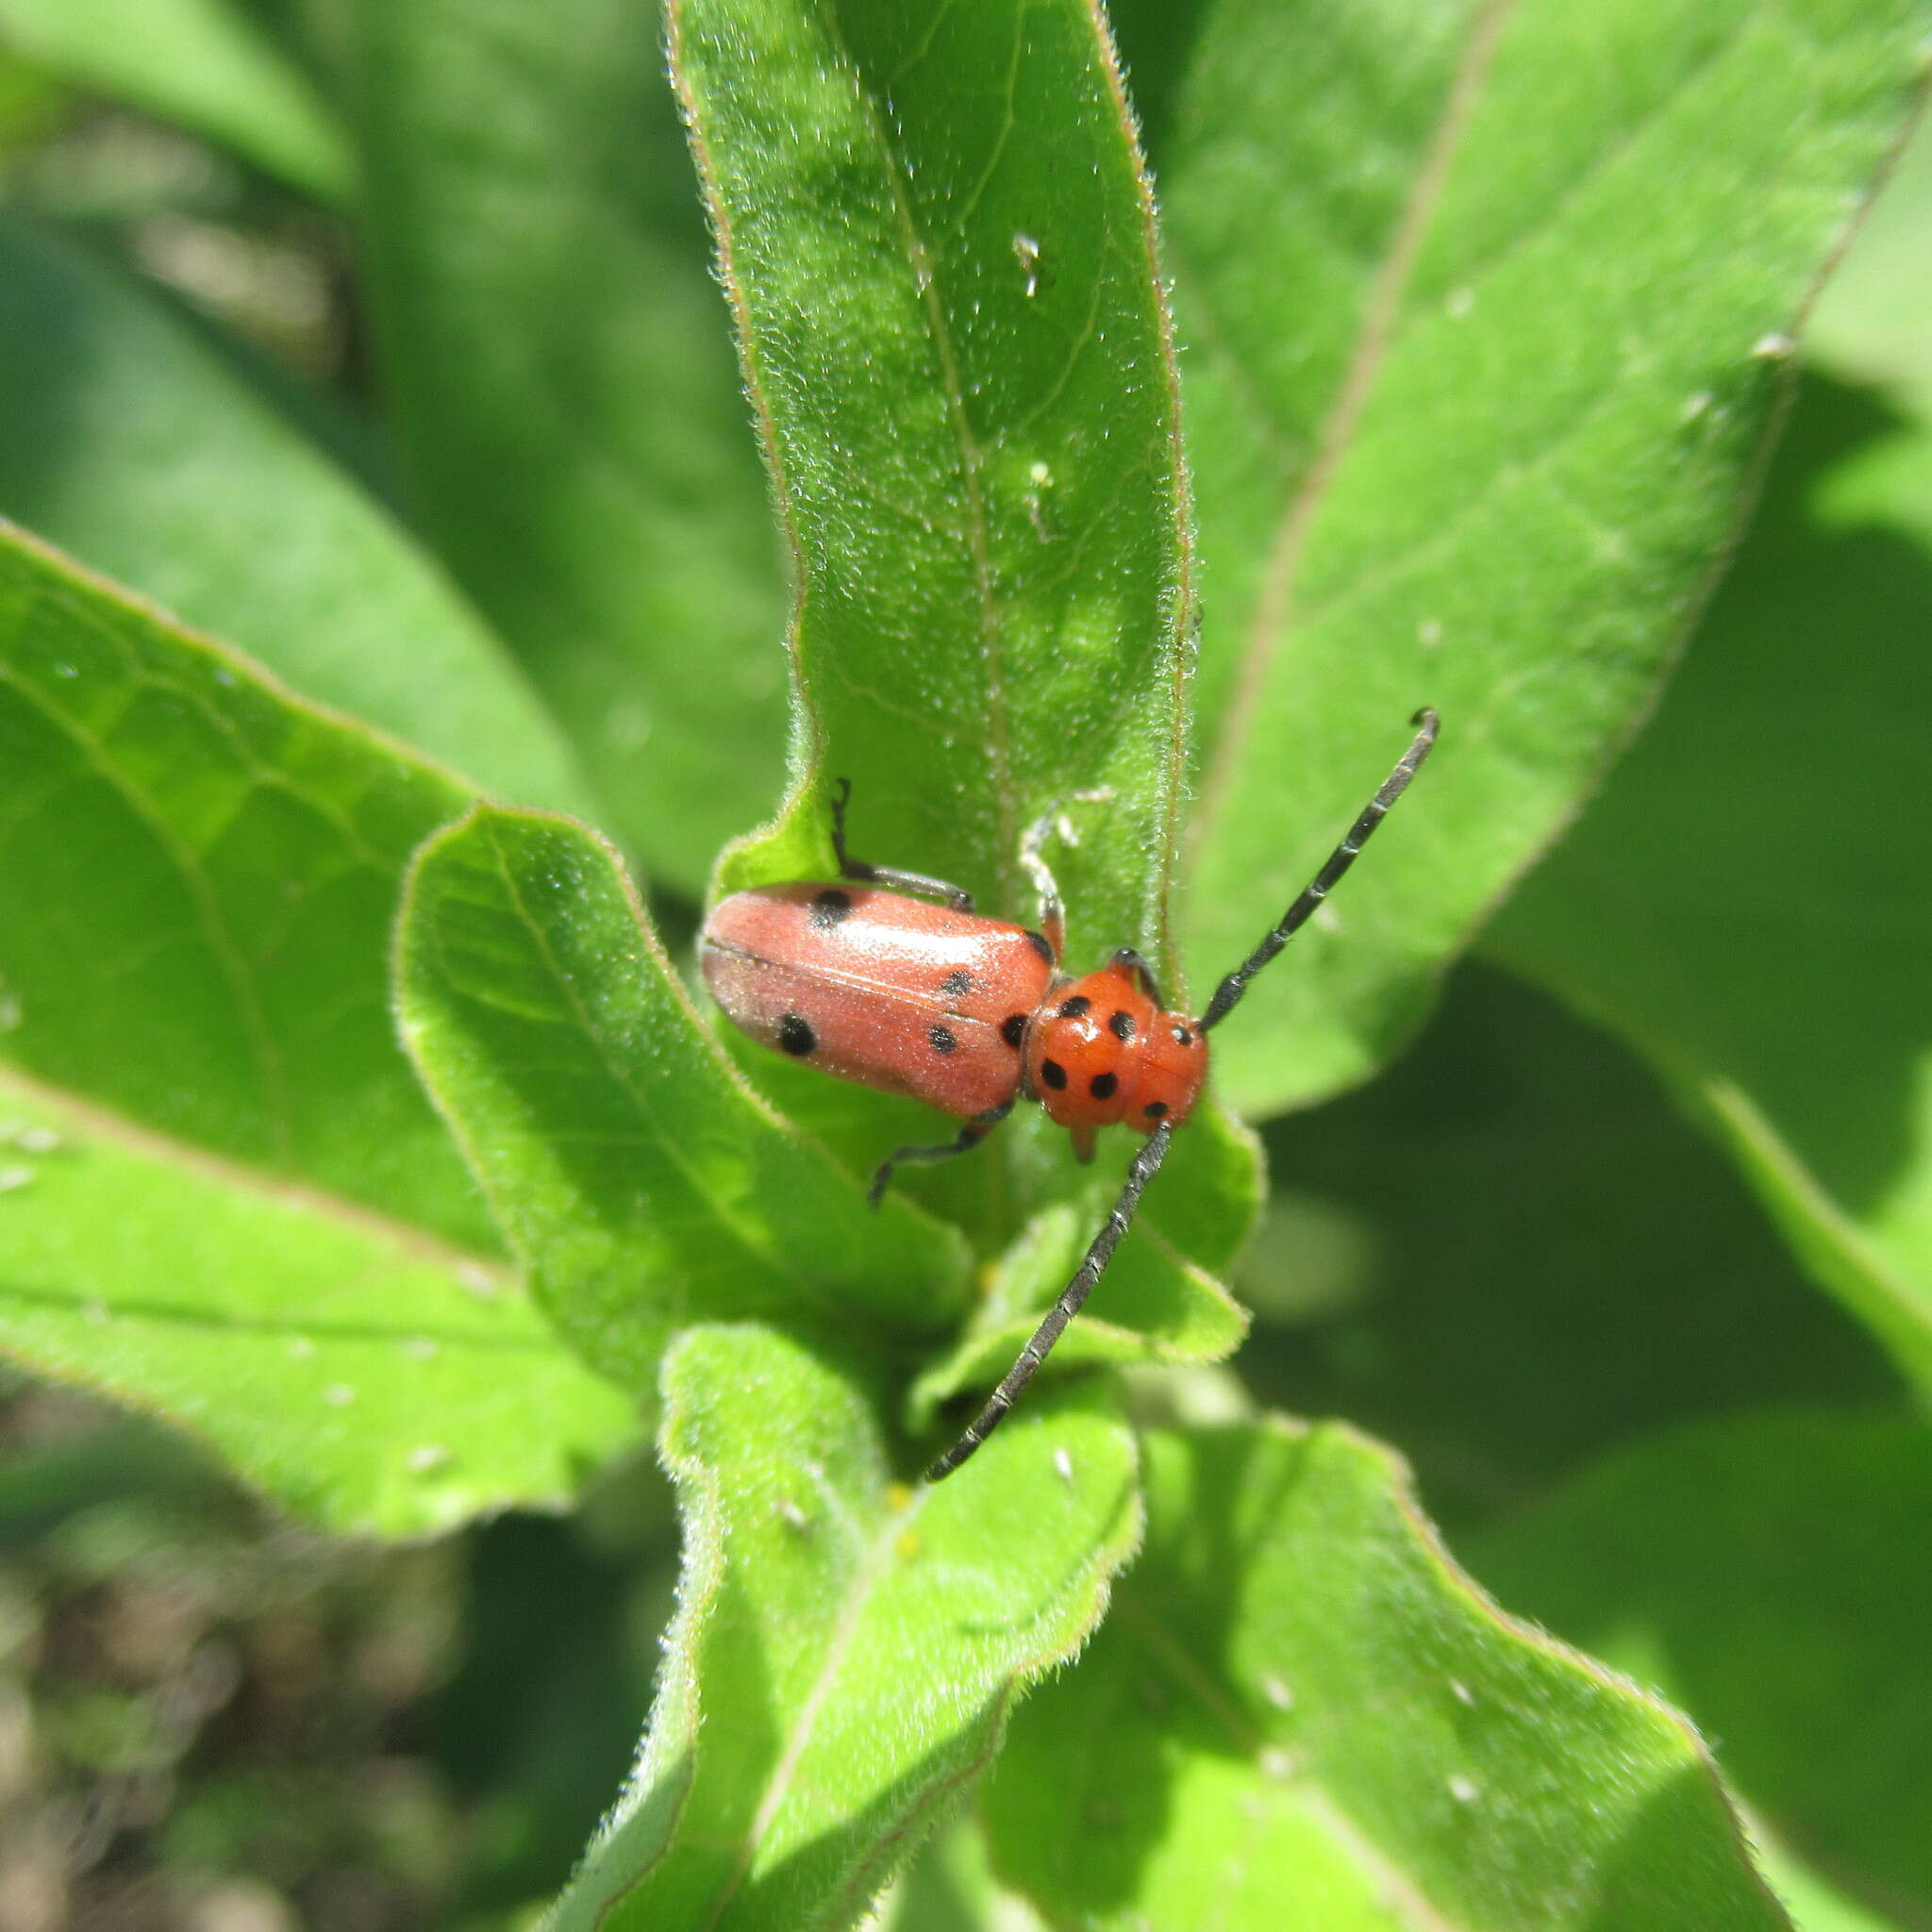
(1173,1653)
(103,1124)
(871,1566)
(972,459)
(1374,337)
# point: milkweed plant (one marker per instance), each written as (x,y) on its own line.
(507,470)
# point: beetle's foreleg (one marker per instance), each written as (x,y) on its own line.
(1128,960)
(918,883)
(970,1134)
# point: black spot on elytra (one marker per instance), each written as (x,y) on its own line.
(1053,1073)
(1182,1037)
(828,909)
(1037,942)
(1121,1025)
(795,1034)
(1072,1009)
(943,1040)
(1155,1108)
(1103,1086)
(1013,1028)
(955,983)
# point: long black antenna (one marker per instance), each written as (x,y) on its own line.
(1146,1163)
(1230,989)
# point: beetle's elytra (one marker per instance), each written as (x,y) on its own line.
(867,978)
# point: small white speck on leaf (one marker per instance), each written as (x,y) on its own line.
(301,1347)
(1277,1692)
(430,1455)
(422,1348)
(339,1396)
(1063,1465)
(1773,347)
(794,1516)
(1463,1693)
(13,1178)
(1458,301)
(1027,252)
(1464,1790)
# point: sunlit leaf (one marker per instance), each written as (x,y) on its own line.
(642,1178)
(226,1199)
(1485,307)
(356,1371)
(1300,1714)
(843,1660)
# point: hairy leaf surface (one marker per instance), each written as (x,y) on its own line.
(1487,306)
(1301,1714)
(844,1658)
(638,1174)
(226,1198)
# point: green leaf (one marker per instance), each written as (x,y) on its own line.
(1512,1251)
(359,1373)
(1152,1307)
(644,1180)
(939,245)
(975,446)
(1873,323)
(1772,1571)
(950,1888)
(1813,1904)
(844,1660)
(1487,306)
(1300,1714)
(565,396)
(197,877)
(225,1191)
(1744,901)
(204,63)
(136,446)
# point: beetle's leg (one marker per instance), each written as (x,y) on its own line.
(893,880)
(1144,1166)
(970,1134)
(1130,961)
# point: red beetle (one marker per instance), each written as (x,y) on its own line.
(882,986)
